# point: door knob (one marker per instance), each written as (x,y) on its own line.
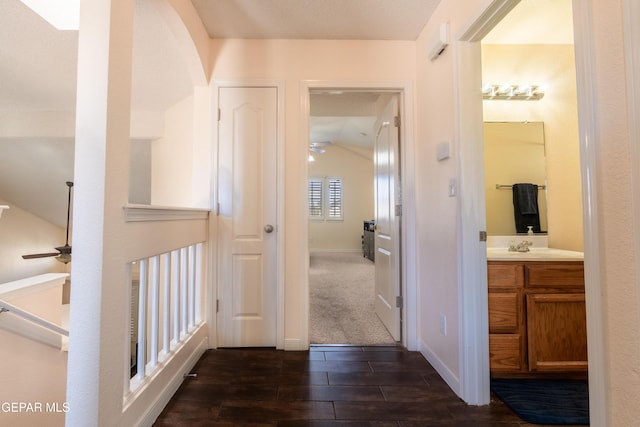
(268,228)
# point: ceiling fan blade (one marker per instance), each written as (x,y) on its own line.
(31,256)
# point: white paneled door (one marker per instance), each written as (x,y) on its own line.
(387,215)
(247,274)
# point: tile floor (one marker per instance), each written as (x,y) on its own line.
(327,386)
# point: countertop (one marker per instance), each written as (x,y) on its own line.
(534,254)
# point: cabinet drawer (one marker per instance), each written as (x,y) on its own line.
(554,275)
(507,275)
(504,352)
(504,309)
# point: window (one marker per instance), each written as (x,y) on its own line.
(326,199)
(315,198)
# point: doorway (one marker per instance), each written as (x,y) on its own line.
(531,136)
(475,384)
(346,130)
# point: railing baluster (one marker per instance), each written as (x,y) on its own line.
(166,307)
(155,318)
(183,292)
(142,320)
(191,290)
(198,284)
(175,286)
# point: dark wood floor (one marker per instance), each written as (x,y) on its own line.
(326,386)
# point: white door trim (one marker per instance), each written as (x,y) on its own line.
(474,375)
(473,306)
(631,15)
(409,257)
(589,142)
(280,235)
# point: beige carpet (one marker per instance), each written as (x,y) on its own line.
(342,300)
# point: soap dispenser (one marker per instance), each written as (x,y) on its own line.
(530,231)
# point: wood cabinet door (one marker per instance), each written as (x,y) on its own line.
(556,332)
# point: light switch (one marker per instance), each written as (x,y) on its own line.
(453,190)
(442,151)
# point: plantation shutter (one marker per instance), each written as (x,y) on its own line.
(335,199)
(315,198)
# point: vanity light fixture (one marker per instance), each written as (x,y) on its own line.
(512,92)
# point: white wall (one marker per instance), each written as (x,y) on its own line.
(171,155)
(23,233)
(181,158)
(140,172)
(355,167)
(438,215)
(32,372)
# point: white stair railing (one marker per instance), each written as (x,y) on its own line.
(6,307)
(166,307)
(24,321)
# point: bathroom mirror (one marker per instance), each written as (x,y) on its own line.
(514,152)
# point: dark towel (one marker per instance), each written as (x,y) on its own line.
(525,207)
(527,198)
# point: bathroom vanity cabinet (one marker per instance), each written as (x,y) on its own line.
(537,317)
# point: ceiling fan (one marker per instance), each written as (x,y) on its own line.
(64,252)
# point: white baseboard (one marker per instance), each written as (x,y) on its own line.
(326,251)
(294,345)
(449,377)
(161,401)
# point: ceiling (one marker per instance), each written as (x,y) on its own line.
(314,19)
(343,117)
(38,72)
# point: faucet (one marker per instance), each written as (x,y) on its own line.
(520,247)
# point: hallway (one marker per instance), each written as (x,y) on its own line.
(326,386)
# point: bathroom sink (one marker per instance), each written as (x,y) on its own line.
(534,254)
